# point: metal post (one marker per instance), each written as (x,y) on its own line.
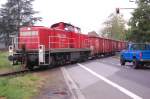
(68,41)
(49,44)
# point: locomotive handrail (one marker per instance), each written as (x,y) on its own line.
(84,43)
(27,42)
(59,42)
(61,37)
(18,41)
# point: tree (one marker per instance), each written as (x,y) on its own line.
(140,23)
(13,15)
(114,27)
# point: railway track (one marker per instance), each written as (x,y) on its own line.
(15,73)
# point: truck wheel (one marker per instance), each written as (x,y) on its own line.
(136,64)
(122,61)
(141,65)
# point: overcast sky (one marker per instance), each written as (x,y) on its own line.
(86,14)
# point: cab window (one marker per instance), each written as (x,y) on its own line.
(29,33)
(140,47)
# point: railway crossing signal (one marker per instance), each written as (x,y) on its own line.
(117,10)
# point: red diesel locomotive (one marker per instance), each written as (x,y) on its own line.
(60,44)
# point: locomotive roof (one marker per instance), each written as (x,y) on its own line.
(32,28)
(65,24)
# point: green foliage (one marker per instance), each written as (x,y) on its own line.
(13,15)
(140,23)
(114,27)
(19,87)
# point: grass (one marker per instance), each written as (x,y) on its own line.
(18,87)
(4,62)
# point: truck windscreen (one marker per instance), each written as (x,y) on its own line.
(140,47)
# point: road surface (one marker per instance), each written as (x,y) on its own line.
(106,79)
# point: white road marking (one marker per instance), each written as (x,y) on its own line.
(74,89)
(125,91)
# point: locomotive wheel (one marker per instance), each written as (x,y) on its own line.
(28,64)
(63,62)
(52,61)
(31,67)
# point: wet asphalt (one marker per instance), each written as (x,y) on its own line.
(92,87)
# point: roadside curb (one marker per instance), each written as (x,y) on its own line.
(74,89)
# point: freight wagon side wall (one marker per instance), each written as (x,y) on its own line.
(110,45)
(106,44)
(103,45)
(97,45)
(94,45)
(100,45)
(114,46)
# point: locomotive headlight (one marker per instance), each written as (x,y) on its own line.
(41,48)
(28,28)
(10,50)
(10,57)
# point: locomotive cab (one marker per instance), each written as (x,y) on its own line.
(28,39)
(25,47)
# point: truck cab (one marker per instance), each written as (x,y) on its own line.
(137,53)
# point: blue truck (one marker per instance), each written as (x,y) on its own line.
(137,53)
